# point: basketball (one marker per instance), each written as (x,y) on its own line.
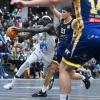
(11,33)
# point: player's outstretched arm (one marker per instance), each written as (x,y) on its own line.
(23,3)
(32,30)
(55,12)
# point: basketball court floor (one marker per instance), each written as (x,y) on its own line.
(25,88)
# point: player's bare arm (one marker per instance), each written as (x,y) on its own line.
(32,31)
(22,3)
(55,11)
(77,7)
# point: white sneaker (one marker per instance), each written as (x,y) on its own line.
(8,86)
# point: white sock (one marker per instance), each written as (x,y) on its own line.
(13,81)
(44,88)
(64,97)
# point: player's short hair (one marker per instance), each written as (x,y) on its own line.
(69,9)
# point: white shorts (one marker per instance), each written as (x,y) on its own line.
(37,55)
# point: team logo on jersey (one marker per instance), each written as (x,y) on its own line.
(43,46)
(67,52)
(68,26)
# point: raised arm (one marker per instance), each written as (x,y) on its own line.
(79,21)
(23,3)
(77,8)
(55,12)
(76,4)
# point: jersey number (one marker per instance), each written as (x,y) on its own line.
(62,31)
(94,7)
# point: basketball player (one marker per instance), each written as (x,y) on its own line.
(82,50)
(65,36)
(44,49)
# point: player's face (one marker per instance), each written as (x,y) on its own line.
(65,14)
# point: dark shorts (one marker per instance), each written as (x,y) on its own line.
(86,45)
(60,51)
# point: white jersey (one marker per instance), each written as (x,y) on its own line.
(46,45)
(44,50)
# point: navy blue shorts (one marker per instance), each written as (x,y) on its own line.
(60,51)
(86,45)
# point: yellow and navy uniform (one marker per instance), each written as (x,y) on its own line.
(87,43)
(65,33)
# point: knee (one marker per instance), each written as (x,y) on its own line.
(53,68)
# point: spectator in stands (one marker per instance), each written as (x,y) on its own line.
(4,50)
(10,20)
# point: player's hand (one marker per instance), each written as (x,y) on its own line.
(19,3)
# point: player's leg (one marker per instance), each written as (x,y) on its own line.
(48,82)
(78,76)
(67,73)
(49,73)
(65,81)
(32,58)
